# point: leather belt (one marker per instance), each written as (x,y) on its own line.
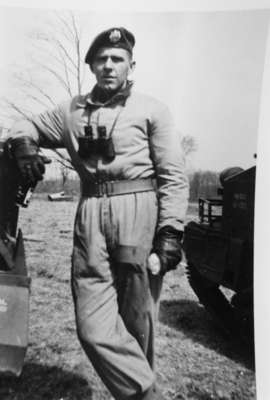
(114,188)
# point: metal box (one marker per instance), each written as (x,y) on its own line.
(14,313)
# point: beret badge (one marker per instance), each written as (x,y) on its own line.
(115,36)
(118,37)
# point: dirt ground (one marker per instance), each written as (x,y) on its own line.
(194,360)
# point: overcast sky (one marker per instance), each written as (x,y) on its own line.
(206,66)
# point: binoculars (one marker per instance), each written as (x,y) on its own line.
(102,146)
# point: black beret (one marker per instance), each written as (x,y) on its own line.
(114,37)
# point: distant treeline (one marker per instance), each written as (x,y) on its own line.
(202,184)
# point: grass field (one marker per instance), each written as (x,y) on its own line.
(194,360)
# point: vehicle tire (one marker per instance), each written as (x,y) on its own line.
(213,300)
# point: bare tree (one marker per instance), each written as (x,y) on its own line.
(189,144)
(61,42)
(54,68)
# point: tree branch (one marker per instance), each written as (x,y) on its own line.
(18,110)
(63,160)
(58,77)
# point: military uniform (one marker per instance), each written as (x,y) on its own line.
(123,203)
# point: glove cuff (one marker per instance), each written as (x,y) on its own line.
(23,146)
(171,232)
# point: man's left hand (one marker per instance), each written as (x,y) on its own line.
(167,246)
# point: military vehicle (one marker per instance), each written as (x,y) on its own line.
(14,280)
(219,253)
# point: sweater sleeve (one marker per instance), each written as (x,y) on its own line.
(46,129)
(169,163)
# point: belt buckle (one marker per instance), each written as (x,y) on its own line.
(105,188)
(101,189)
(109,188)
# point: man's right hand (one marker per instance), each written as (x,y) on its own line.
(30,163)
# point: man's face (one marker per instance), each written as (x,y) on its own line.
(111,66)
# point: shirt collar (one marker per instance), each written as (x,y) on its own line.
(92,97)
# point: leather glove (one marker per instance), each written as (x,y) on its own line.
(30,163)
(167,245)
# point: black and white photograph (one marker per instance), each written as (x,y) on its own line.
(134,211)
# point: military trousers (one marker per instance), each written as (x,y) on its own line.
(115,297)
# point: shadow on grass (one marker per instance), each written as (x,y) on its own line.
(41,382)
(195,322)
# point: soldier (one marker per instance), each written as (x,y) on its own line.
(133,202)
